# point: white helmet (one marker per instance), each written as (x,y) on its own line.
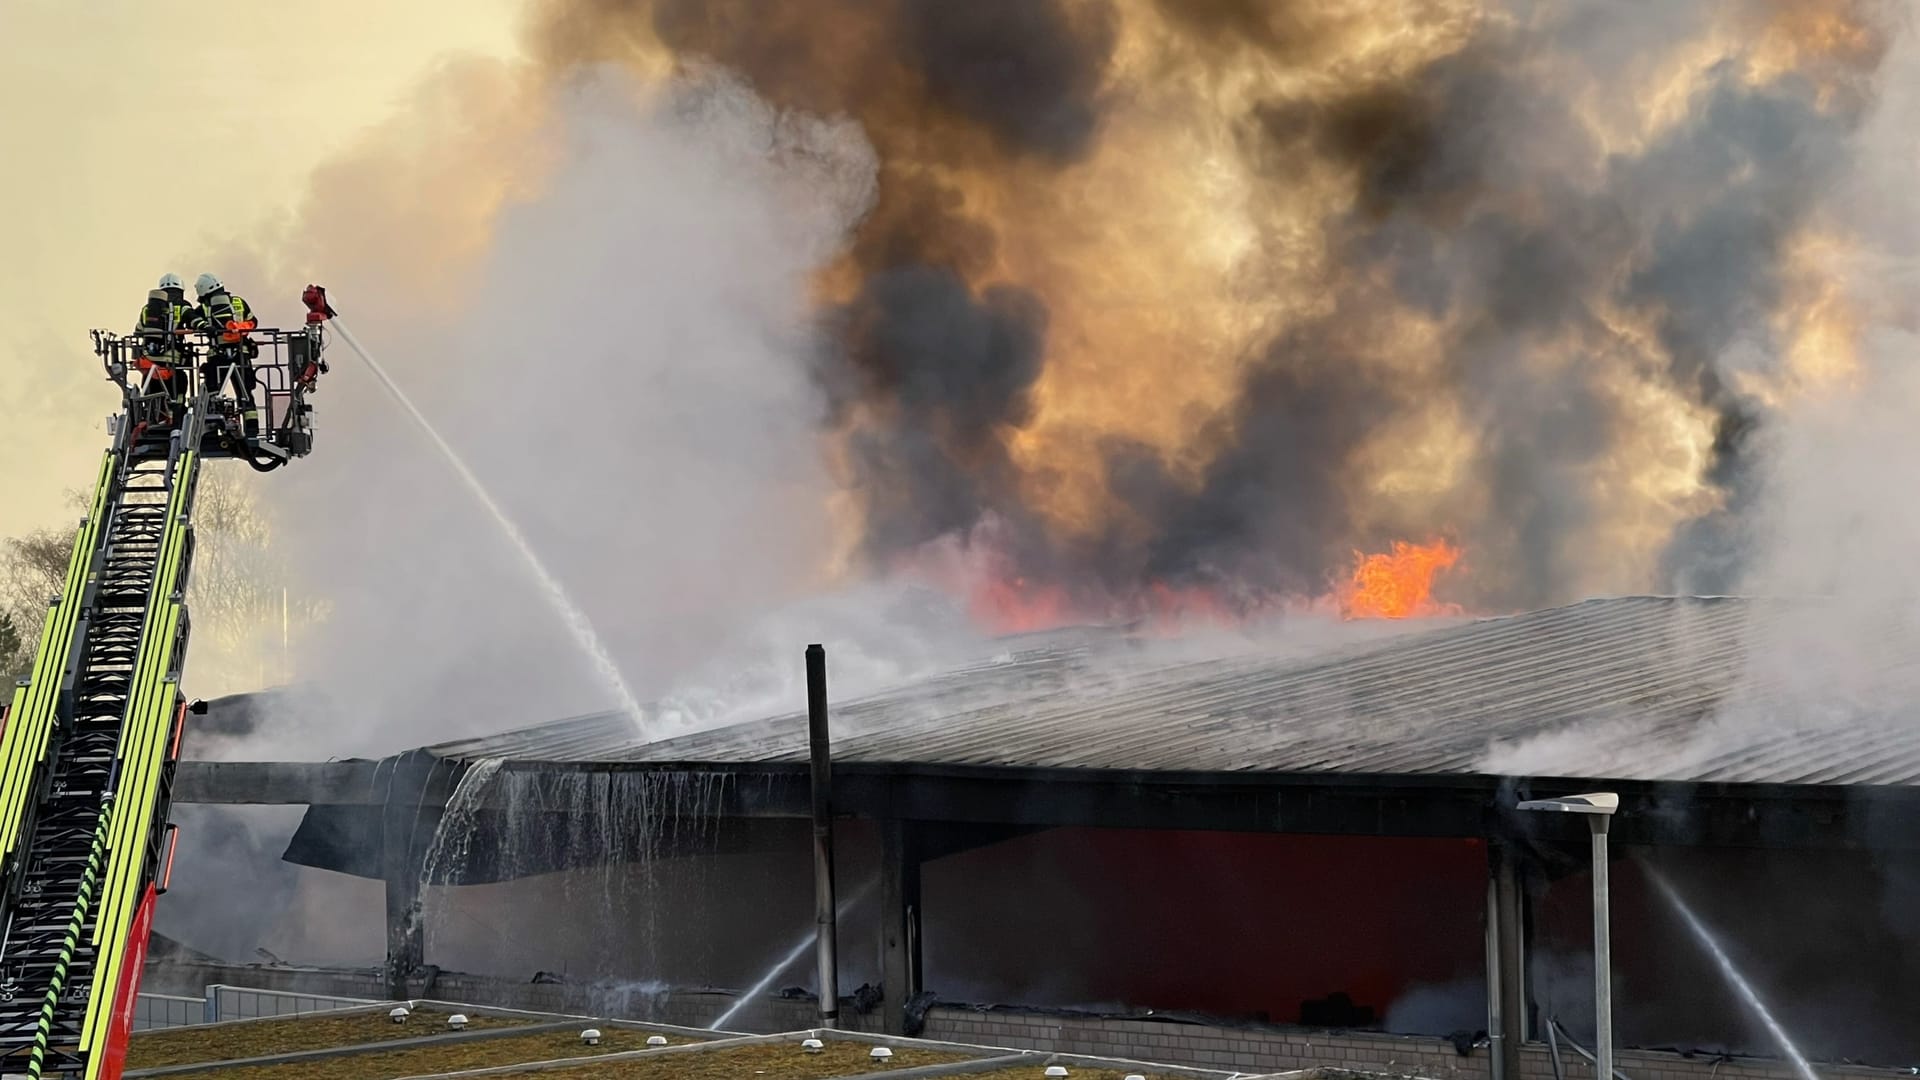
(171,281)
(206,284)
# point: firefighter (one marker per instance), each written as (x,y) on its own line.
(226,318)
(157,353)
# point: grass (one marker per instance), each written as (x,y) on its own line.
(258,1038)
(447,1057)
(764,1061)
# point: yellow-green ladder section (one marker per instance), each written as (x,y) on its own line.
(143,752)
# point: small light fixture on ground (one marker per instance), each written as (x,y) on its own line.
(1056,1070)
(812,1046)
(656,1040)
(398,1015)
(591,1036)
(458,1021)
(1598,808)
(880,1053)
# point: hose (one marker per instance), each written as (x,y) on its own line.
(1554,1024)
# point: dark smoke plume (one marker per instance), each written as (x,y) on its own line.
(1492,289)
(954,369)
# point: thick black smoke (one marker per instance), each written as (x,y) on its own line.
(1029,76)
(1482,198)
(1767,157)
(1271,510)
(1029,73)
(954,369)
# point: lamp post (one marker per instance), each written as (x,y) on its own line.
(1598,808)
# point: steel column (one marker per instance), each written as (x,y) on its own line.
(824,916)
(1507,969)
(1602,952)
(900,852)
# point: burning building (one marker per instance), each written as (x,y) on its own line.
(1177,314)
(1310,841)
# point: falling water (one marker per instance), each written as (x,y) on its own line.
(1732,973)
(793,956)
(453,836)
(570,613)
(606,821)
(456,819)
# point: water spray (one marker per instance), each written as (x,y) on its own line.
(792,957)
(570,613)
(1734,977)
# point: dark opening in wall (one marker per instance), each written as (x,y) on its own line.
(1236,924)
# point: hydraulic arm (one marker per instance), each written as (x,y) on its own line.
(92,734)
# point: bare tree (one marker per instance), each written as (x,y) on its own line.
(240,590)
(33,570)
(14,659)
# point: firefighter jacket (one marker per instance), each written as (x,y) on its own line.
(218,309)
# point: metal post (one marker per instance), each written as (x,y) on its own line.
(1515,1004)
(1599,807)
(821,755)
(1496,1024)
(1602,954)
(899,917)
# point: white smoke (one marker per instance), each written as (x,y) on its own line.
(1834,527)
(1441,1008)
(627,373)
(1838,529)
(623,359)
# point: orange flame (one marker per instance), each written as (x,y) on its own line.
(1398,584)
(1395,584)
(1018,606)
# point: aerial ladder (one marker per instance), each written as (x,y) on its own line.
(92,734)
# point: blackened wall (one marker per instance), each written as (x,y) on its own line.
(1828,940)
(1227,923)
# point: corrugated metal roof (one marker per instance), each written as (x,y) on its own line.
(1637,688)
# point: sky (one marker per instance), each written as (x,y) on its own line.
(139,135)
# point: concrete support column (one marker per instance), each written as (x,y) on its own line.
(899,919)
(406,944)
(1508,1001)
(406,831)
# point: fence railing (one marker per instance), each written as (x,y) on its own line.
(221,1002)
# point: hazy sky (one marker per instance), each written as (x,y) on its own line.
(138,135)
